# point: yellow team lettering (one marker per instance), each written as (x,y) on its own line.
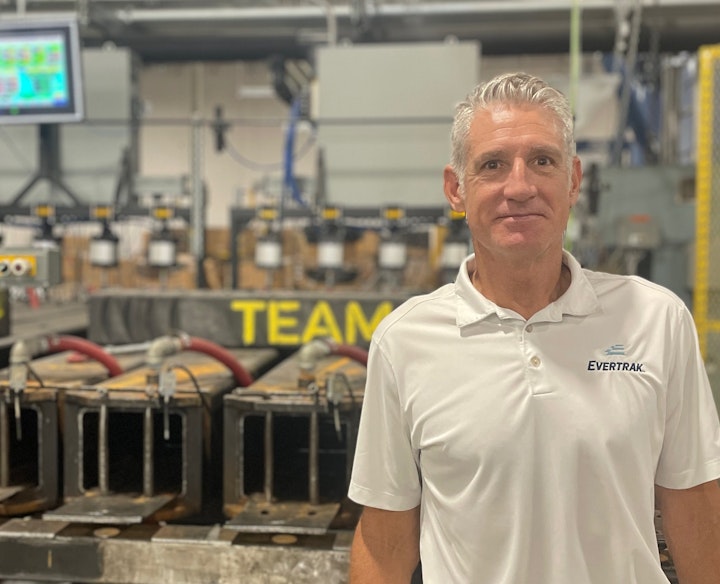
(278,320)
(322,323)
(284,326)
(355,320)
(248,308)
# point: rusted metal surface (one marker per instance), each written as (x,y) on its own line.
(259,516)
(112,509)
(203,367)
(9,492)
(145,554)
(69,369)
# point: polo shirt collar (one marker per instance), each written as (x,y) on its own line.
(579,299)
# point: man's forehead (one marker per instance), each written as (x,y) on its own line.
(499,121)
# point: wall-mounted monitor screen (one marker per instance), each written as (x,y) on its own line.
(40,72)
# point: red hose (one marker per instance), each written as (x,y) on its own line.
(242,377)
(71,343)
(356,353)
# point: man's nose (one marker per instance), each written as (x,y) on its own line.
(519,185)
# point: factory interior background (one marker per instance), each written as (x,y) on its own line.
(197,245)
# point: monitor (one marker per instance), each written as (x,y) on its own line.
(40,72)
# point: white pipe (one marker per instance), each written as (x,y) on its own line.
(160,349)
(311,352)
(287,13)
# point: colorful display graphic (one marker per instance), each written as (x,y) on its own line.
(34,72)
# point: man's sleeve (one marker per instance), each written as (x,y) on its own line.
(691,445)
(385,473)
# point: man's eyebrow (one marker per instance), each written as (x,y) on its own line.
(483,157)
(546,150)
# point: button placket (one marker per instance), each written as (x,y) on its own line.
(534,360)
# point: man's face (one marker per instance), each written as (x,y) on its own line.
(519,184)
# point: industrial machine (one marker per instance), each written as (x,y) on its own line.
(142,446)
(149,462)
(32,392)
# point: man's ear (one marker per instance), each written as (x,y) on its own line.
(451,187)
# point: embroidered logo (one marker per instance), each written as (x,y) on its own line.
(617,350)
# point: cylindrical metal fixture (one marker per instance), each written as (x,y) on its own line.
(103,253)
(393,255)
(453,254)
(161,253)
(330,255)
(268,253)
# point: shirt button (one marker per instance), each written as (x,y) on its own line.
(529,328)
(535,361)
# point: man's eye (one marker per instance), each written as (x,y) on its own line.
(544,161)
(492,165)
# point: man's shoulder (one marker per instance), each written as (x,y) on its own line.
(629,286)
(420,310)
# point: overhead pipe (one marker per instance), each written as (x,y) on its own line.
(129,15)
(168,345)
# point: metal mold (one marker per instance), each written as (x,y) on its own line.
(132,456)
(30,429)
(288,451)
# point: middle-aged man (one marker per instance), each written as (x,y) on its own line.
(520,425)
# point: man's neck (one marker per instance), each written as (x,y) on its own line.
(525,287)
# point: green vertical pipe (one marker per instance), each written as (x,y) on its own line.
(574,74)
(575,52)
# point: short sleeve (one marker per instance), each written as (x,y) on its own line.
(385,473)
(691,445)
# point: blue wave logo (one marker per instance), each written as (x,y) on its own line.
(615,350)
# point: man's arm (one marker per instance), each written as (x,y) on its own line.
(386,547)
(691,524)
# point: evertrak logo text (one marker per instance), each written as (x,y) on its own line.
(615,366)
(615,351)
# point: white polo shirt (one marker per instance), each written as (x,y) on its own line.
(533,446)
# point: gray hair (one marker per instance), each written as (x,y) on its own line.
(509,88)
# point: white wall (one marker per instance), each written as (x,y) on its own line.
(258,122)
(171,94)
(243,90)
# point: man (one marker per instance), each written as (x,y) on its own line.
(519,425)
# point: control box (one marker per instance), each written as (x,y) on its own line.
(30,266)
